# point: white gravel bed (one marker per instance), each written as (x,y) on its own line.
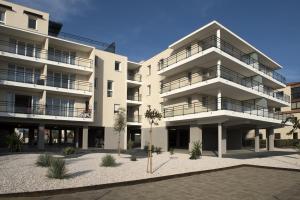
(18,173)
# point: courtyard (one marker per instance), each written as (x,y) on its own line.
(20,174)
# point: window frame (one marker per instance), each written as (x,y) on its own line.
(36,22)
(149,70)
(4,15)
(118,63)
(110,91)
(148,90)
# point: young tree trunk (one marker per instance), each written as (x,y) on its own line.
(149,161)
(119,145)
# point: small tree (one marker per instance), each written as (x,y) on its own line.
(120,125)
(295,122)
(153,117)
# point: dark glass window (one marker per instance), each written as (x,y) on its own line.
(31,23)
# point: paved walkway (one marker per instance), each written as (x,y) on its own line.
(234,184)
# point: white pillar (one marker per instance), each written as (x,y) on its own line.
(85,137)
(218,34)
(219,140)
(41,137)
(224,139)
(270,134)
(256,145)
(195,135)
(219,68)
(77,137)
(219,103)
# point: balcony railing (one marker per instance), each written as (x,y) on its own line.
(36,78)
(213,41)
(135,77)
(40,109)
(134,97)
(134,118)
(226,104)
(227,74)
(35,52)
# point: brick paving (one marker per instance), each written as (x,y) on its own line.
(234,184)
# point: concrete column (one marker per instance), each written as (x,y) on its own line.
(218,34)
(41,137)
(219,100)
(270,134)
(219,68)
(219,140)
(195,135)
(85,137)
(76,133)
(224,139)
(256,145)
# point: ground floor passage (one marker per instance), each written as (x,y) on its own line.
(214,137)
(239,183)
(47,136)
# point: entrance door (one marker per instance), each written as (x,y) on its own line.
(23,104)
(179,137)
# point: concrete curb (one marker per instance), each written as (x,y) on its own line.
(133,182)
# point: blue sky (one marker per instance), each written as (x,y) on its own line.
(142,28)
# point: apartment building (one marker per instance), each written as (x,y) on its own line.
(212,86)
(59,88)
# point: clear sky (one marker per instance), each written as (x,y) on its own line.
(143,28)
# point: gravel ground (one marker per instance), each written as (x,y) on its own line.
(18,172)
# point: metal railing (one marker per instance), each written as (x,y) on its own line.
(226,104)
(37,78)
(227,74)
(134,97)
(40,109)
(35,52)
(213,41)
(134,77)
(110,47)
(200,76)
(134,118)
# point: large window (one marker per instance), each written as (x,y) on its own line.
(60,107)
(109,88)
(62,56)
(32,22)
(295,93)
(23,74)
(2,16)
(295,105)
(24,48)
(61,80)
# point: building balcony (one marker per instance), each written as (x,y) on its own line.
(40,111)
(31,53)
(184,84)
(228,107)
(134,77)
(134,119)
(134,99)
(34,80)
(215,42)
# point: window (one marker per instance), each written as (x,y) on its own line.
(32,21)
(149,70)
(117,66)
(109,88)
(2,16)
(295,93)
(277,136)
(188,51)
(189,101)
(148,90)
(116,108)
(96,83)
(204,101)
(277,109)
(295,105)
(260,136)
(295,135)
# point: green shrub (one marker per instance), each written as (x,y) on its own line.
(44,160)
(196,151)
(69,151)
(171,150)
(57,168)
(251,143)
(108,161)
(14,142)
(146,148)
(133,158)
(286,142)
(157,150)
